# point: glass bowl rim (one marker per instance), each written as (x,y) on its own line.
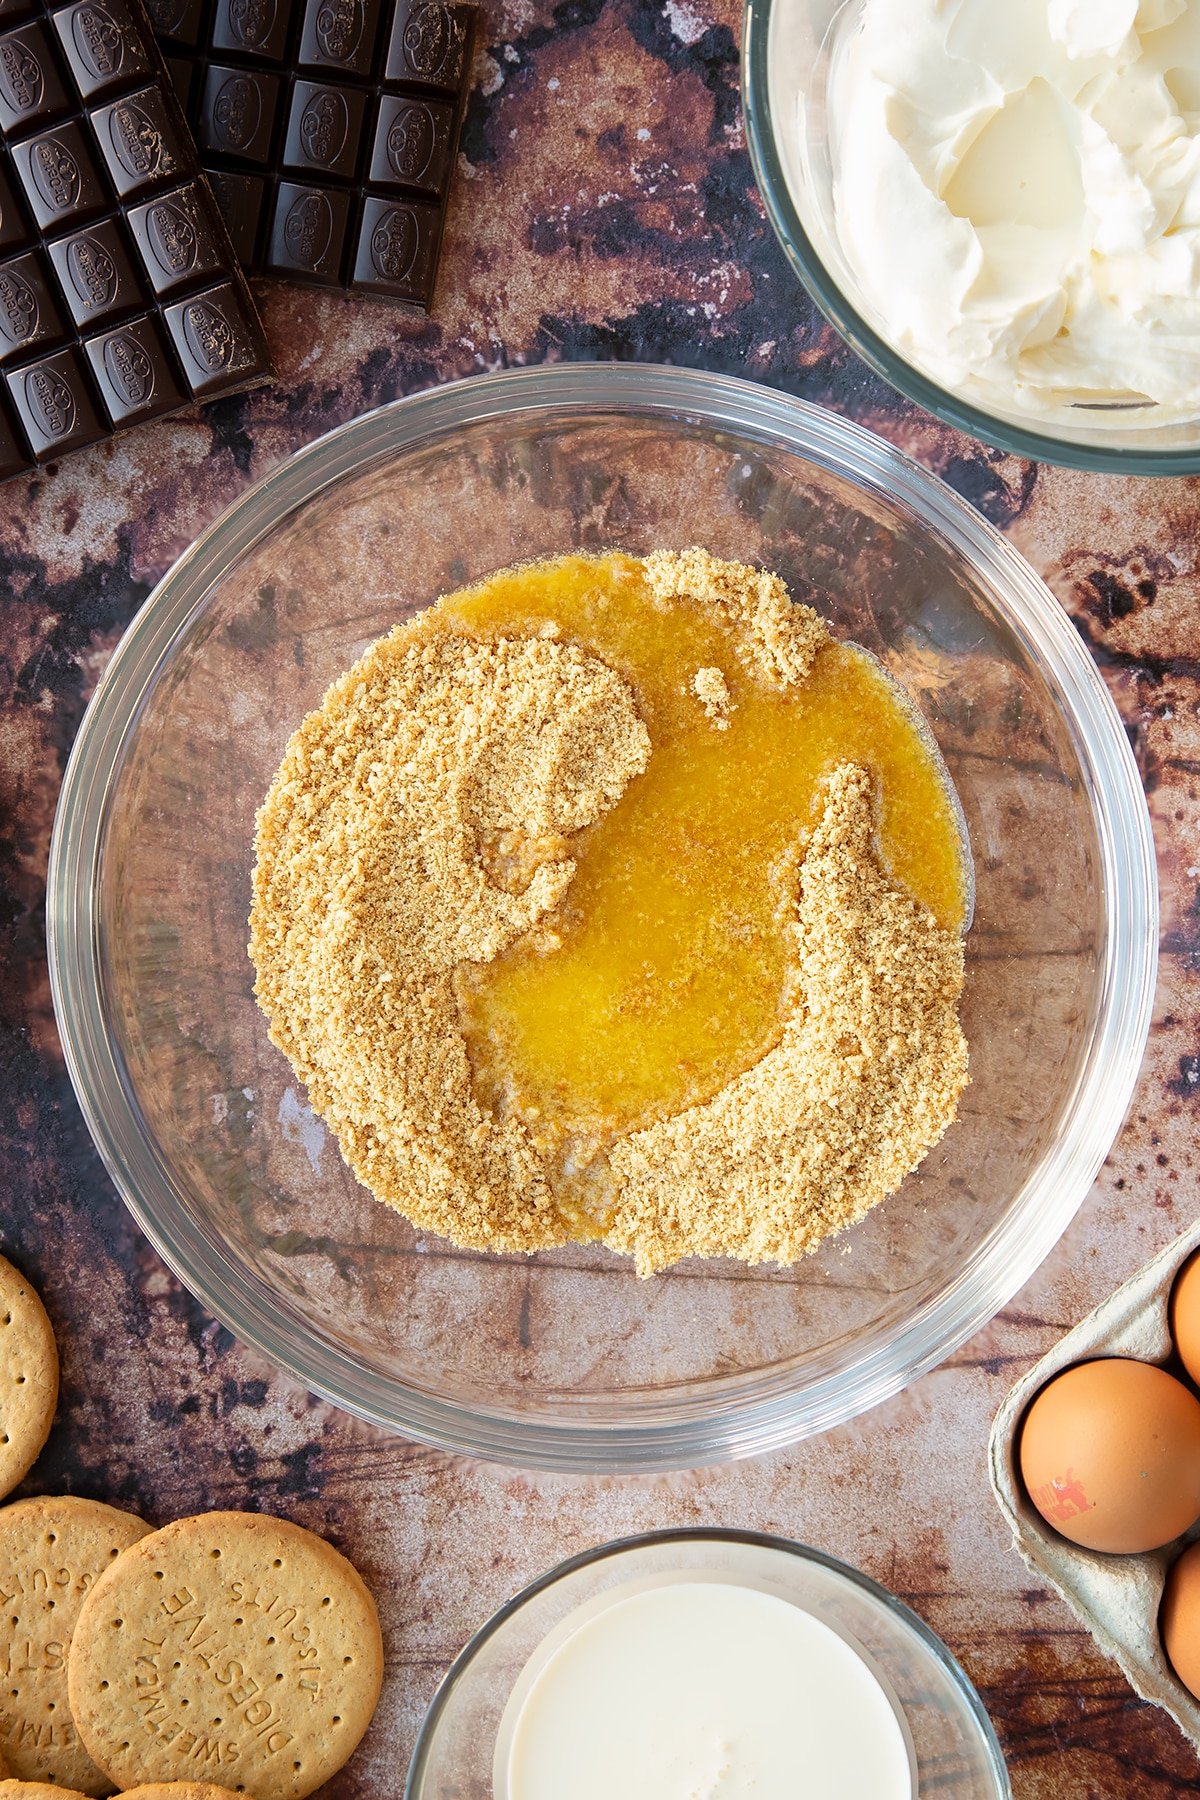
(633,1433)
(763,1540)
(807,263)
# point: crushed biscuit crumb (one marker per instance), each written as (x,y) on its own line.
(419,820)
(774,634)
(864,1081)
(712,691)
(423,819)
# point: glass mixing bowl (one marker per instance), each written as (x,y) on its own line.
(953,1746)
(786,92)
(567,1360)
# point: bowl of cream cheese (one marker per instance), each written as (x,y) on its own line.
(999,208)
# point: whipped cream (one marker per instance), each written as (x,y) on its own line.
(1017,193)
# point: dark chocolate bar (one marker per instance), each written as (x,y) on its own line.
(120,293)
(329,130)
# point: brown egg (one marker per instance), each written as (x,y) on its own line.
(1110,1455)
(1179,1619)
(1185,1316)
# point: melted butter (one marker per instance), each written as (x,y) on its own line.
(665,971)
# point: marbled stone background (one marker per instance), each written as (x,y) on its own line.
(605,209)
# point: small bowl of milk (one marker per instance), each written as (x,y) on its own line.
(705,1665)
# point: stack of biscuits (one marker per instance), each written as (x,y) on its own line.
(228,1654)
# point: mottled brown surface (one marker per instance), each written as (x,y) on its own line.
(576,235)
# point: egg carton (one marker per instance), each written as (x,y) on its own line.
(1116,1597)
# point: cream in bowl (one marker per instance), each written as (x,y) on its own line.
(705,1665)
(1016,189)
(675,1688)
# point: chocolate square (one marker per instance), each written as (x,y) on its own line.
(32,90)
(237,115)
(185,76)
(103,45)
(177,238)
(141,141)
(134,371)
(13,229)
(29,314)
(251,27)
(308,234)
(397,250)
(96,274)
(59,177)
(13,455)
(179,21)
(428,45)
(54,403)
(216,338)
(241,201)
(324,129)
(413,140)
(339,34)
